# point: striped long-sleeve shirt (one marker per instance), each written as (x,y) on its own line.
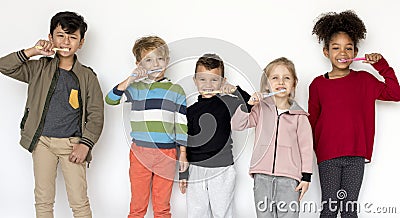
(158,113)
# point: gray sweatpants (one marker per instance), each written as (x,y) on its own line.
(210,192)
(275,196)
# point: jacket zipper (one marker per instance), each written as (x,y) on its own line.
(276,142)
(39,130)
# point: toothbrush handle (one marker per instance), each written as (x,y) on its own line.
(359,59)
(148,72)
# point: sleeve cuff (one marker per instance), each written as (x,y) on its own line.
(22,56)
(306,177)
(87,142)
(184,175)
(117,92)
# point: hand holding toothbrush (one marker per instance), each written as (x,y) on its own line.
(255,98)
(369,58)
(137,74)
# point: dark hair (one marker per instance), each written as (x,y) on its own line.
(69,22)
(210,61)
(329,24)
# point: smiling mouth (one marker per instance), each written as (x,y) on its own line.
(62,49)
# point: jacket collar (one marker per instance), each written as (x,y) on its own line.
(76,66)
(294,107)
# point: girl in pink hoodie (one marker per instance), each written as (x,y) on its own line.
(281,163)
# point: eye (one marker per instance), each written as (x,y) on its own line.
(349,49)
(161,59)
(287,78)
(274,77)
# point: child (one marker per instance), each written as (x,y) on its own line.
(158,126)
(212,174)
(63,116)
(342,109)
(281,163)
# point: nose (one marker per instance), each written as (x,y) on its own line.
(66,40)
(156,63)
(280,80)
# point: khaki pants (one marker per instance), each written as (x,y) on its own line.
(46,156)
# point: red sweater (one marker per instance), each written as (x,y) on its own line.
(342,111)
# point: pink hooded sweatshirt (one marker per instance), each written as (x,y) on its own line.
(283,144)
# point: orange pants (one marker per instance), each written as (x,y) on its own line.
(153,169)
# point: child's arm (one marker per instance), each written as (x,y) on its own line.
(16,65)
(114,96)
(390,89)
(305,142)
(314,107)
(234,103)
(95,114)
(242,120)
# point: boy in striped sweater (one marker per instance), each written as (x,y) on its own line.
(158,127)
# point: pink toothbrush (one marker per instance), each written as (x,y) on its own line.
(354,59)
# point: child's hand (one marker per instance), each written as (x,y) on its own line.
(303,186)
(79,153)
(137,74)
(183,162)
(228,88)
(372,58)
(44,47)
(255,98)
(183,185)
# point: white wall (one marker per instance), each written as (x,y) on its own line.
(265,29)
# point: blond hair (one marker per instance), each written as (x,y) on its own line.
(149,43)
(271,66)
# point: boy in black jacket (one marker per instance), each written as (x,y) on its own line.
(212,174)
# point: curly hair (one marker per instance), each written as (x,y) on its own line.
(328,24)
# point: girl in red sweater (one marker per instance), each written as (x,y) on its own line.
(342,111)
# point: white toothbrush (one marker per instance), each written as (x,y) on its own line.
(54,49)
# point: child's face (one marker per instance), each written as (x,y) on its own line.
(281,78)
(61,39)
(154,60)
(208,81)
(340,47)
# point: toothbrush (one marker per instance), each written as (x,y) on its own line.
(353,59)
(211,92)
(149,72)
(266,95)
(214,92)
(54,49)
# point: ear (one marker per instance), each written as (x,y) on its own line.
(325,50)
(355,51)
(81,43)
(50,37)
